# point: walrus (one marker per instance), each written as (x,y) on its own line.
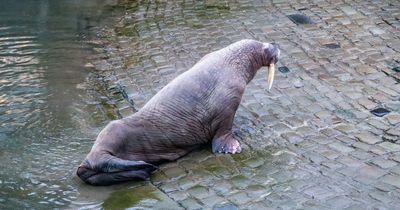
(195,108)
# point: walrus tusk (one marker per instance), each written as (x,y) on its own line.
(271,73)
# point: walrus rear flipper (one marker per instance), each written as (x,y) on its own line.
(104,179)
(114,171)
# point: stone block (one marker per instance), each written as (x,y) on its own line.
(368,138)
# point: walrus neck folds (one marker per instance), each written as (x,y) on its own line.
(246,57)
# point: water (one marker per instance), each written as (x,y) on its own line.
(49,114)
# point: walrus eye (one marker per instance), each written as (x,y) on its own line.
(271,74)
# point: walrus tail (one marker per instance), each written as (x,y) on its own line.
(113,171)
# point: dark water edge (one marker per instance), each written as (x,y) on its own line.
(52,103)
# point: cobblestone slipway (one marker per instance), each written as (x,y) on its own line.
(310,143)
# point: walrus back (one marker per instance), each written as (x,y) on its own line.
(182,109)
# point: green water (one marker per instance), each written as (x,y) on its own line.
(50,103)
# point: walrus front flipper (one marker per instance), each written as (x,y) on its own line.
(114,170)
(226,144)
(223,141)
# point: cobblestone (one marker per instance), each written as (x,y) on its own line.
(368,138)
(371,172)
(391,147)
(309,143)
(393,119)
(383,163)
(392,180)
(341,147)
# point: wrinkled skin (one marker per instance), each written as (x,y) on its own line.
(195,108)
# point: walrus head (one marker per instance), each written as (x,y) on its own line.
(272,53)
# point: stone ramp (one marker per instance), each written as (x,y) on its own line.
(310,143)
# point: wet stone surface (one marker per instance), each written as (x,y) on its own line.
(309,143)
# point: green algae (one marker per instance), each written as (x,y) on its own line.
(126,198)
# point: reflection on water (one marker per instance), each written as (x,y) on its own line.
(47,124)
(126,198)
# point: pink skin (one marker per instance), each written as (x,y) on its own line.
(195,108)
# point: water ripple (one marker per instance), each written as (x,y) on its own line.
(46,127)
